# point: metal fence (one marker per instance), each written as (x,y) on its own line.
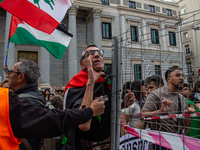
(137,58)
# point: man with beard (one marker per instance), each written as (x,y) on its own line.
(167,101)
(98,128)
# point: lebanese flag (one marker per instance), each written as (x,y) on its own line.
(56,43)
(40,14)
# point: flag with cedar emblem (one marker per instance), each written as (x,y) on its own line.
(44,15)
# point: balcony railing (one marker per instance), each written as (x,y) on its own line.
(191,73)
(189,54)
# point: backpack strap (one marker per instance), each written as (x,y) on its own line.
(31,96)
(27,145)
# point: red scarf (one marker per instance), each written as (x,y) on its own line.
(80,80)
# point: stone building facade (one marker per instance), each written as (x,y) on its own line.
(149,26)
(189,13)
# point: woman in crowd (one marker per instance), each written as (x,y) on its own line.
(134,101)
(46,94)
(50,96)
(4,83)
(195,94)
(126,88)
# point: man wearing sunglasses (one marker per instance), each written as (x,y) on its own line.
(98,128)
(22,81)
(59,90)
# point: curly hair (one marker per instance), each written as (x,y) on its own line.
(57,102)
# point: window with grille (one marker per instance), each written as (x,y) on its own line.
(172,38)
(106,30)
(105,2)
(187,49)
(169,12)
(183,10)
(132,5)
(137,71)
(158,70)
(184,22)
(154,36)
(151,8)
(186,35)
(189,68)
(134,33)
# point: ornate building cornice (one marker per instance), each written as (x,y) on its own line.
(96,13)
(73,10)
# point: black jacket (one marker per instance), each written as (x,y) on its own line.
(30,121)
(100,128)
(31,89)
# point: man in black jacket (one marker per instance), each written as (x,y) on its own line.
(30,121)
(22,80)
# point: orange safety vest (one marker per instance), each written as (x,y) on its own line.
(7,139)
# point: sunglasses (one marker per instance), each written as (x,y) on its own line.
(179,75)
(10,72)
(92,52)
(60,91)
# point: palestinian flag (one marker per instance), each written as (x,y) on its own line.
(56,43)
(74,92)
(44,15)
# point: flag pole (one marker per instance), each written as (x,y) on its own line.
(6,60)
(8,43)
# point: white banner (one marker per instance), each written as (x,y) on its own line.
(131,142)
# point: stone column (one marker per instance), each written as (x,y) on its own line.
(44,68)
(144,30)
(97,28)
(163,41)
(11,52)
(72,49)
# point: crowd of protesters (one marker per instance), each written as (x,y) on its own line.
(34,115)
(148,97)
(174,98)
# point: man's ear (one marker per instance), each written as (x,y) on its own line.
(82,63)
(21,77)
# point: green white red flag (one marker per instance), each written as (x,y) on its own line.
(56,43)
(44,15)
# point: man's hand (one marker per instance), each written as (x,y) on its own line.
(165,105)
(5,68)
(129,98)
(190,110)
(98,106)
(92,74)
